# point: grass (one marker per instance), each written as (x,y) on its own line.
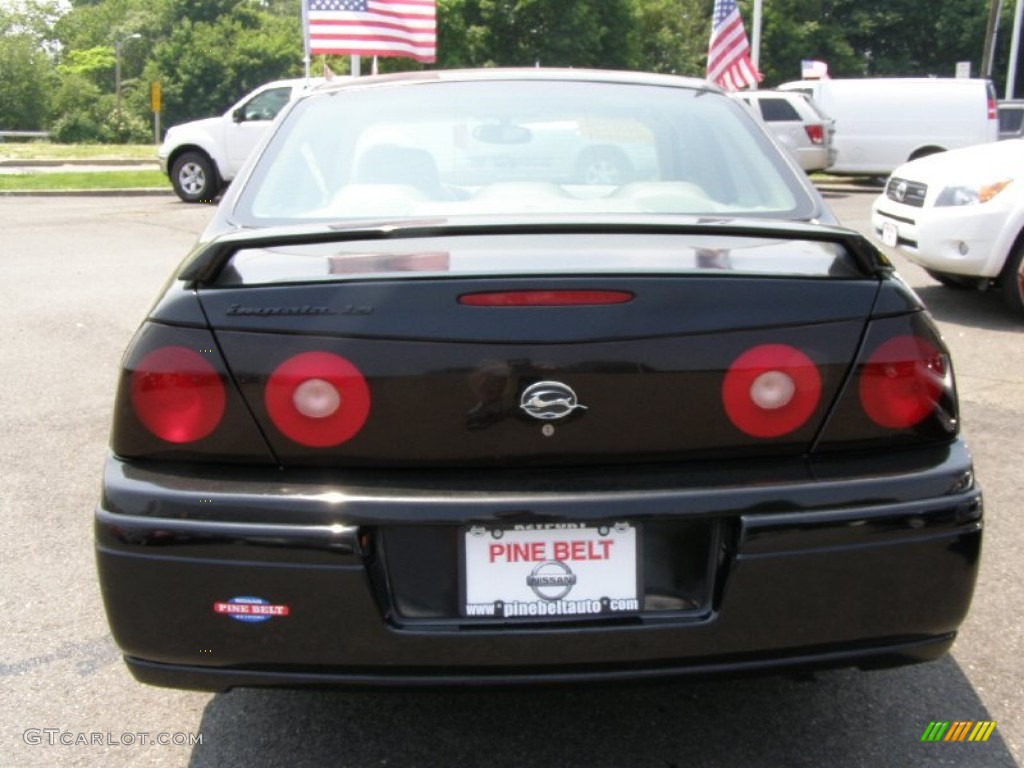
(42,150)
(82,181)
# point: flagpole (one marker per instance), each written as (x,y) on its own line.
(755,43)
(305,35)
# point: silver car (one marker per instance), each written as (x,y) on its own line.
(798,124)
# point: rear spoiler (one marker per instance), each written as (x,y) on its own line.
(207,260)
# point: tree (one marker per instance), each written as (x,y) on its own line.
(530,32)
(481,33)
(84,103)
(888,35)
(871,38)
(793,30)
(28,75)
(671,36)
(25,85)
(205,66)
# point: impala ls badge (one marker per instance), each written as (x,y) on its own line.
(549,400)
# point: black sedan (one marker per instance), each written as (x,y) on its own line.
(530,376)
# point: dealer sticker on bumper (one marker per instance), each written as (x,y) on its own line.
(550,570)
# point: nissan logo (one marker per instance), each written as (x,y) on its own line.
(551,580)
(549,400)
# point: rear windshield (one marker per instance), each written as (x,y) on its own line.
(778,110)
(513,147)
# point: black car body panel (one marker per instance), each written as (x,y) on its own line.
(597,442)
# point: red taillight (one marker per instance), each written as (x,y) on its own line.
(177,394)
(993,109)
(902,382)
(544,298)
(816,133)
(317,399)
(771,390)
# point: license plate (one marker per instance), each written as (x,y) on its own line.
(550,571)
(890,234)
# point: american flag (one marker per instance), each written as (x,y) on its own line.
(729,62)
(405,28)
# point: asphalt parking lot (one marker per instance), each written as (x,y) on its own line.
(78,273)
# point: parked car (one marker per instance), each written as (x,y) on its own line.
(960,215)
(1011,119)
(202,156)
(798,124)
(576,150)
(882,123)
(393,424)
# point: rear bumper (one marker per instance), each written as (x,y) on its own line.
(835,563)
(814,157)
(204,678)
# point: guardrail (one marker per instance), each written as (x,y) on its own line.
(23,135)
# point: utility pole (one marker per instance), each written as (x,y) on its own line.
(1011,70)
(989,54)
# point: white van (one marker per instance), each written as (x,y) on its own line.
(882,123)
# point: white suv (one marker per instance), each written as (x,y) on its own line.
(202,156)
(797,124)
(960,215)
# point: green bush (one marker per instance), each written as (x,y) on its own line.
(76,128)
(129,128)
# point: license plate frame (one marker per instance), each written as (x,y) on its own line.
(550,571)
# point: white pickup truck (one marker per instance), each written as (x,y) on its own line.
(202,156)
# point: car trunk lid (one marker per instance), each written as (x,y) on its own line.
(584,349)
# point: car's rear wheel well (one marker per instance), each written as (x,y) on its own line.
(925,151)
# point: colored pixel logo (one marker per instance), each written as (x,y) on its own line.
(958,730)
